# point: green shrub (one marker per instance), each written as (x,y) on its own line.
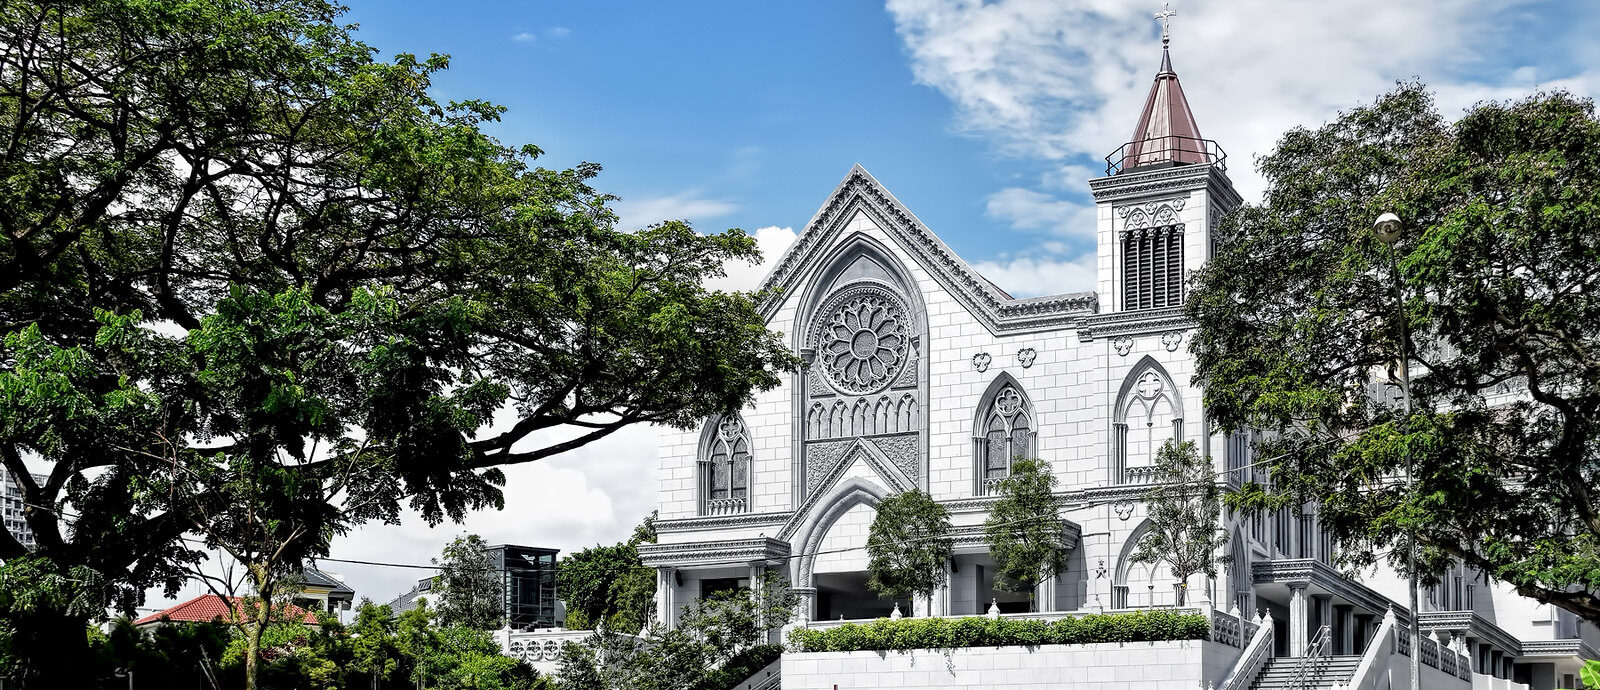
(979,631)
(740,667)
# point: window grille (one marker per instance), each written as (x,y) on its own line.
(1152,267)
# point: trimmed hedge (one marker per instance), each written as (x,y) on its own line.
(979,631)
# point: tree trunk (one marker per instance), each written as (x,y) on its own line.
(52,649)
(252,654)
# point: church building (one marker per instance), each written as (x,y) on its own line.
(918,373)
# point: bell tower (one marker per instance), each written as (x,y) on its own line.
(1164,192)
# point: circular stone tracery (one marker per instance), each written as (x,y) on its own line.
(862,340)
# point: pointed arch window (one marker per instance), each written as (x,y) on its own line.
(1006,430)
(725,469)
(1148,414)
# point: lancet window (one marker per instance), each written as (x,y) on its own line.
(725,469)
(1006,431)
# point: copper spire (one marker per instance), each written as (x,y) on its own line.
(1167,132)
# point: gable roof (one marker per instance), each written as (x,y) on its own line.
(320,578)
(207,608)
(859,192)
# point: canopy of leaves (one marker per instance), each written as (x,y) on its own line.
(259,286)
(908,546)
(1185,514)
(609,584)
(1026,534)
(1492,292)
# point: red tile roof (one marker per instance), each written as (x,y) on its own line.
(210,607)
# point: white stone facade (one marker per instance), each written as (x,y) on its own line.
(919,373)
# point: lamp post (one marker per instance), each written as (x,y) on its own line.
(1387,229)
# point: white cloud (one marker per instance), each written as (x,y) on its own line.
(1035,276)
(524,37)
(773,241)
(1025,209)
(558,32)
(1064,79)
(688,205)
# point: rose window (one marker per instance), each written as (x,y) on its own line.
(863,343)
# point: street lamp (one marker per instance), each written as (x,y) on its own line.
(1387,229)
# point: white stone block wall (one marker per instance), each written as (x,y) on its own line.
(1183,665)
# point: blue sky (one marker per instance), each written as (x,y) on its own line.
(984,117)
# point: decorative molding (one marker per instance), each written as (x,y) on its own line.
(1165,181)
(1123,509)
(1171,340)
(1025,357)
(863,338)
(821,459)
(721,522)
(902,452)
(731,552)
(1306,571)
(860,192)
(981,361)
(869,454)
(1133,323)
(1123,345)
(1473,625)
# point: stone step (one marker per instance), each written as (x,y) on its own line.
(1284,673)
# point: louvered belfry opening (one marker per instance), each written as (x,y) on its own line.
(1152,267)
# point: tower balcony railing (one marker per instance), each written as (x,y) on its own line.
(727,506)
(1166,151)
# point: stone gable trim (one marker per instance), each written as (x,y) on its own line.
(721,522)
(998,311)
(1131,323)
(730,552)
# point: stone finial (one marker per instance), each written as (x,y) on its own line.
(895,614)
(994,609)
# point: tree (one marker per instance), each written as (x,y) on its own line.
(472,590)
(609,584)
(908,546)
(1185,509)
(710,633)
(258,287)
(1492,294)
(1025,531)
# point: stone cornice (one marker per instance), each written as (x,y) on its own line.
(721,552)
(1306,571)
(999,312)
(1472,624)
(1575,648)
(1141,322)
(1158,181)
(721,522)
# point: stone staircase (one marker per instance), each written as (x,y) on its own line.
(1283,673)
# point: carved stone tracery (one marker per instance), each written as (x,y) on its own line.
(863,339)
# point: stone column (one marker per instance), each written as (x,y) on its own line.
(1344,630)
(806,610)
(1363,633)
(664,598)
(1045,594)
(1323,605)
(939,605)
(1297,620)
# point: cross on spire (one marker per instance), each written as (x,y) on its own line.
(1165,17)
